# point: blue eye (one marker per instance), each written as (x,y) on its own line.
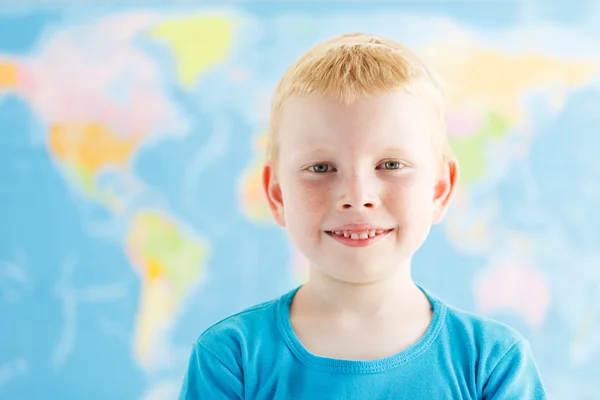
(320,168)
(392,165)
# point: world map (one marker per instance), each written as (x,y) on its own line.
(131,209)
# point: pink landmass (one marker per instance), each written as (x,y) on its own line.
(516,287)
(110,82)
(463,125)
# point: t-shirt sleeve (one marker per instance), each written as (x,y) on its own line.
(515,376)
(208,377)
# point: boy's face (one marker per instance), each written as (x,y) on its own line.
(358,186)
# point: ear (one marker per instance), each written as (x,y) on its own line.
(272,190)
(444,188)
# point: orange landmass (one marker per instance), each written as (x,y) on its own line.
(9,75)
(91,146)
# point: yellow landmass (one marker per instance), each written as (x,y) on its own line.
(488,79)
(9,75)
(155,312)
(490,86)
(197,43)
(170,263)
(154,270)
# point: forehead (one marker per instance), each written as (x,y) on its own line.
(397,119)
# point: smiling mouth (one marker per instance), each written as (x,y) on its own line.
(360,235)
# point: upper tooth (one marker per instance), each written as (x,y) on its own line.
(359,235)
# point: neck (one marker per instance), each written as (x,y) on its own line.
(393,295)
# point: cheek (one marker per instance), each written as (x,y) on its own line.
(306,200)
(410,199)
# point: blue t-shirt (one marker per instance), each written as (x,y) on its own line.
(256,355)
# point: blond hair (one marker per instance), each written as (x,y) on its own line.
(353,66)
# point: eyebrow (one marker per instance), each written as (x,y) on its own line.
(326,152)
(318,150)
(396,150)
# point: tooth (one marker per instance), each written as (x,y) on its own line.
(372,234)
(346,234)
(363,235)
(338,232)
(355,236)
(379,231)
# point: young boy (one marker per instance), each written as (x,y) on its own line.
(358,169)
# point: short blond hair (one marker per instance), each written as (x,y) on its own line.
(353,66)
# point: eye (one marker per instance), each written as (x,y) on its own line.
(320,168)
(391,165)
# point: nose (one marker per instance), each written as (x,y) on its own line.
(358,192)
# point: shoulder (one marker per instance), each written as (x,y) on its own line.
(216,363)
(474,339)
(466,330)
(499,355)
(485,334)
(230,338)
(242,322)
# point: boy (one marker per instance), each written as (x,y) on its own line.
(358,169)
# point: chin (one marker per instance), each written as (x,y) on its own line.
(359,274)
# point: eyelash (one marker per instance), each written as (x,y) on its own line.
(400,166)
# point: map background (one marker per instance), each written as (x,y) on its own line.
(129,159)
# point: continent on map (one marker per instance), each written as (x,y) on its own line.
(469,136)
(516,287)
(170,262)
(252,200)
(487,111)
(9,75)
(95,115)
(487,120)
(486,92)
(212,38)
(85,150)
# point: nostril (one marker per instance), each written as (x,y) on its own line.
(346,206)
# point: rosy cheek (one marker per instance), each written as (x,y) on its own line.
(311,196)
(402,195)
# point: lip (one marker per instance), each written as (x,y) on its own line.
(358,227)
